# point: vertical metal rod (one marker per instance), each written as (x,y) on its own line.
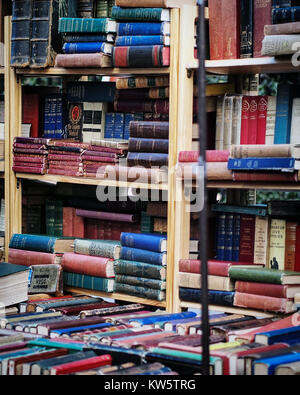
(203,224)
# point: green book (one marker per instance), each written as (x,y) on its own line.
(262,275)
(87,25)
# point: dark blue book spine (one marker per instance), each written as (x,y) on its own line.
(134,254)
(140,29)
(162,318)
(46,133)
(142,292)
(261,164)
(285,3)
(236,238)
(143,241)
(228,246)
(128,118)
(91,47)
(220,236)
(88,282)
(75,38)
(139,269)
(285,15)
(81,328)
(246,49)
(220,298)
(125,41)
(53,112)
(91,92)
(283,114)
(32,243)
(109,125)
(118,131)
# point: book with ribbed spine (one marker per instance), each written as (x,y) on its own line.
(139,255)
(88,282)
(247,164)
(127,41)
(41,243)
(148,145)
(139,28)
(284,107)
(147,160)
(102,248)
(147,242)
(139,269)
(152,93)
(30,258)
(142,82)
(142,292)
(88,265)
(285,15)
(91,47)
(87,25)
(221,298)
(140,282)
(152,130)
(78,366)
(138,322)
(265,303)
(47,305)
(91,92)
(141,14)
(216,283)
(141,56)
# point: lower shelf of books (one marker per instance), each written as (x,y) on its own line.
(91,181)
(116,296)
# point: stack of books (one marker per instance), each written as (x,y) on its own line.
(283,32)
(91,266)
(65,158)
(143,36)
(30,155)
(141,269)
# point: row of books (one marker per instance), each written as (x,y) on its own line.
(238,284)
(252,29)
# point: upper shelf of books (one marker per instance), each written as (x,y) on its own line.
(267,65)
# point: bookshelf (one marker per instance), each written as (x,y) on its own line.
(14,186)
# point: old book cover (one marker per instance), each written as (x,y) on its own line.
(277,244)
(262,16)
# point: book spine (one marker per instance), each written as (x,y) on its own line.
(148,293)
(95,248)
(215,29)
(262,17)
(147,159)
(140,14)
(30,258)
(262,108)
(133,254)
(236,238)
(142,82)
(148,145)
(228,238)
(89,92)
(189,266)
(68,221)
(245,120)
(141,56)
(119,217)
(220,236)
(88,282)
(154,130)
(140,29)
(83,60)
(265,176)
(277,244)
(285,15)
(81,264)
(237,120)
(220,123)
(73,48)
(139,269)
(32,243)
(263,289)
(228,117)
(231,29)
(83,25)
(261,164)
(128,41)
(261,240)
(75,38)
(246,38)
(253,120)
(140,282)
(284,28)
(290,246)
(283,114)
(260,302)
(32,170)
(221,298)
(247,235)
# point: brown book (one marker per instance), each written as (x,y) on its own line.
(83,60)
(284,28)
(217,283)
(262,17)
(262,151)
(290,246)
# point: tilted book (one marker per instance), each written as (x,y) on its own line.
(41,243)
(88,265)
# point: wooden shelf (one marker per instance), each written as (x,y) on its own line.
(253,185)
(2,70)
(58,71)
(90,181)
(230,310)
(246,66)
(116,296)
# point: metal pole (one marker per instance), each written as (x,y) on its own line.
(203,224)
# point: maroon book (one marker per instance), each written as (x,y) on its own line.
(68,217)
(262,17)
(215,29)
(24,169)
(31,112)
(253,120)
(247,238)
(64,173)
(245,119)
(263,176)
(297,257)
(230,22)
(273,290)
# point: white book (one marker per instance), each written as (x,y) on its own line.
(220,123)
(228,120)
(295,128)
(271,120)
(237,120)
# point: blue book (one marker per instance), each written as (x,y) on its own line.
(236,238)
(161,318)
(142,29)
(109,125)
(88,282)
(127,41)
(75,38)
(262,164)
(119,121)
(90,47)
(41,243)
(61,118)
(67,331)
(218,298)
(228,245)
(134,254)
(148,242)
(119,355)
(285,96)
(268,366)
(47,133)
(128,118)
(286,335)
(88,91)
(220,236)
(257,209)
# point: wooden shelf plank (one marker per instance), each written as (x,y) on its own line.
(253,185)
(247,66)
(90,181)
(58,71)
(230,310)
(116,296)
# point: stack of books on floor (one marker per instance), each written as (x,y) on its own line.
(143,36)
(283,31)
(30,155)
(91,266)
(65,158)
(141,269)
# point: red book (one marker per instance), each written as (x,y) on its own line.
(90,230)
(68,221)
(272,290)
(264,303)
(297,257)
(79,366)
(157,56)
(245,119)
(78,226)
(262,17)
(31,112)
(261,119)
(104,159)
(28,146)
(263,176)
(88,265)
(292,320)
(211,156)
(106,216)
(70,157)
(215,29)
(75,310)
(230,21)
(247,238)
(33,170)
(64,172)
(253,120)
(290,246)
(29,159)
(30,258)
